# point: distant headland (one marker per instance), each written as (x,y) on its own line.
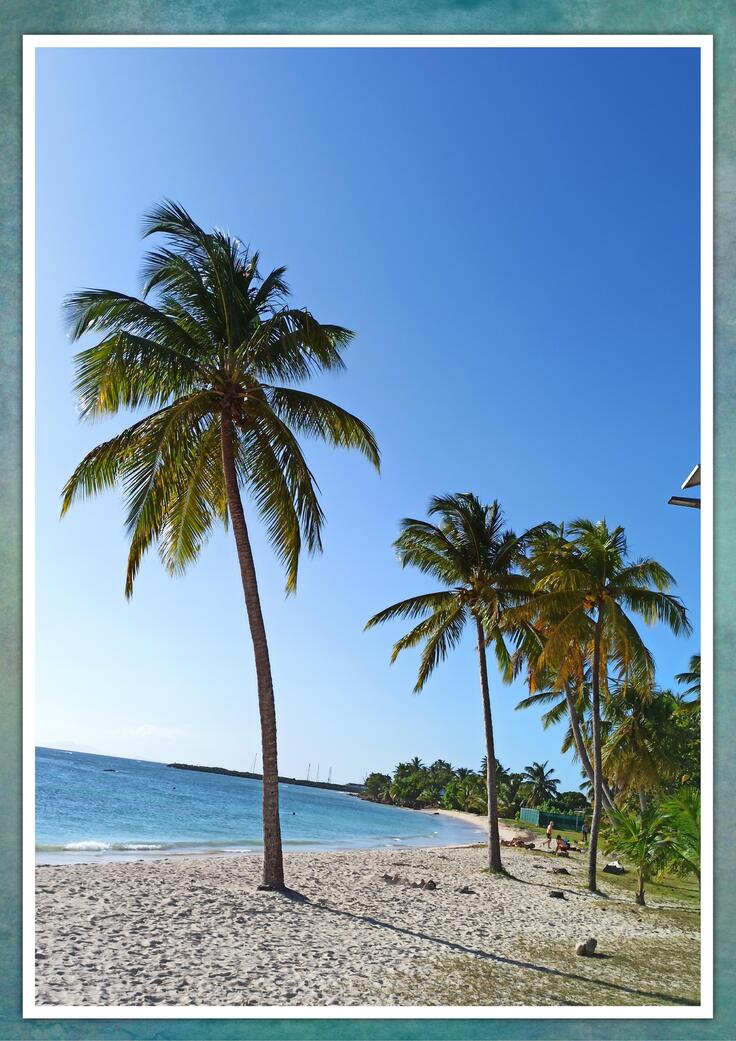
(353,789)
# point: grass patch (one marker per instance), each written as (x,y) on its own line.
(670,890)
(644,971)
(667,890)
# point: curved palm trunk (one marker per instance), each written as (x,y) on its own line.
(494,844)
(582,751)
(597,764)
(273,865)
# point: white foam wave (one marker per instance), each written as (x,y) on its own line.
(91,846)
(87,847)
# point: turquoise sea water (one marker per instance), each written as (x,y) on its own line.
(91,807)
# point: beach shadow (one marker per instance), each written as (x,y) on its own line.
(559,886)
(500,959)
(288,894)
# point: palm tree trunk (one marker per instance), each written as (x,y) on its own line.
(494,843)
(640,888)
(597,762)
(273,864)
(583,751)
(642,799)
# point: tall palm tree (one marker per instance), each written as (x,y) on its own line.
(205,351)
(476,560)
(541,783)
(583,594)
(567,686)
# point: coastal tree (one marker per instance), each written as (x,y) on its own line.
(690,679)
(682,834)
(377,786)
(638,738)
(475,559)
(566,686)
(583,595)
(541,785)
(640,837)
(211,351)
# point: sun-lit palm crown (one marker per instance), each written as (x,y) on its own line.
(542,785)
(209,340)
(583,575)
(470,553)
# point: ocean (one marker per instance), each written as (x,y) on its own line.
(93,807)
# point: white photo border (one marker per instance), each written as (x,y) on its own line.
(704,43)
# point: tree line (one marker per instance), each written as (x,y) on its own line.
(439,784)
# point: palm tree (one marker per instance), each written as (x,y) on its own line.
(542,785)
(567,686)
(582,593)
(691,680)
(641,838)
(638,739)
(475,560)
(207,348)
(683,832)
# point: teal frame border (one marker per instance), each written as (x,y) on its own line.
(716,17)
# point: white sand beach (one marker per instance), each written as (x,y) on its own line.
(195,931)
(505,831)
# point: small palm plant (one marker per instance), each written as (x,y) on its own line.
(476,561)
(641,838)
(206,352)
(683,832)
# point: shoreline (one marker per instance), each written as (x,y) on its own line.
(69,857)
(139,852)
(359,928)
(505,831)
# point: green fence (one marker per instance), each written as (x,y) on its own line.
(563,821)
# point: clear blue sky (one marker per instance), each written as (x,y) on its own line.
(513,234)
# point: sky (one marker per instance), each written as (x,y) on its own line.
(513,234)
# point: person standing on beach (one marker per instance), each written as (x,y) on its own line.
(550,828)
(585,831)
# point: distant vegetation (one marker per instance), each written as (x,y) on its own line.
(441,785)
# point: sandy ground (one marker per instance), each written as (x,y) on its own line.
(196,931)
(505,831)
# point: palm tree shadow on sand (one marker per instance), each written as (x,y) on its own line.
(545,970)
